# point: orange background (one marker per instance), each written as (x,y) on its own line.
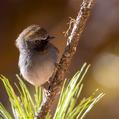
(99,44)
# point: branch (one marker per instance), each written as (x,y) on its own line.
(72,42)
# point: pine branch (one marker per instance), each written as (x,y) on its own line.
(72,42)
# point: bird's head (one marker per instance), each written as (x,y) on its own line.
(33,37)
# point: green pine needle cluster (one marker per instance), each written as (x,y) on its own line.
(26,106)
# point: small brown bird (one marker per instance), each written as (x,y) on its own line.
(38,57)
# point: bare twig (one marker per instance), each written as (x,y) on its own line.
(72,41)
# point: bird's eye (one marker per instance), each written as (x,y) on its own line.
(37,41)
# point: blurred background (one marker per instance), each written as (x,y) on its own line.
(99,44)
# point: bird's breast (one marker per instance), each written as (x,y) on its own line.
(37,68)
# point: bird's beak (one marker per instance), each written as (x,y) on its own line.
(50,37)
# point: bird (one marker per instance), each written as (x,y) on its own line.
(37,55)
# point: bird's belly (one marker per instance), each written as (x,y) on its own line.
(39,72)
(37,68)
